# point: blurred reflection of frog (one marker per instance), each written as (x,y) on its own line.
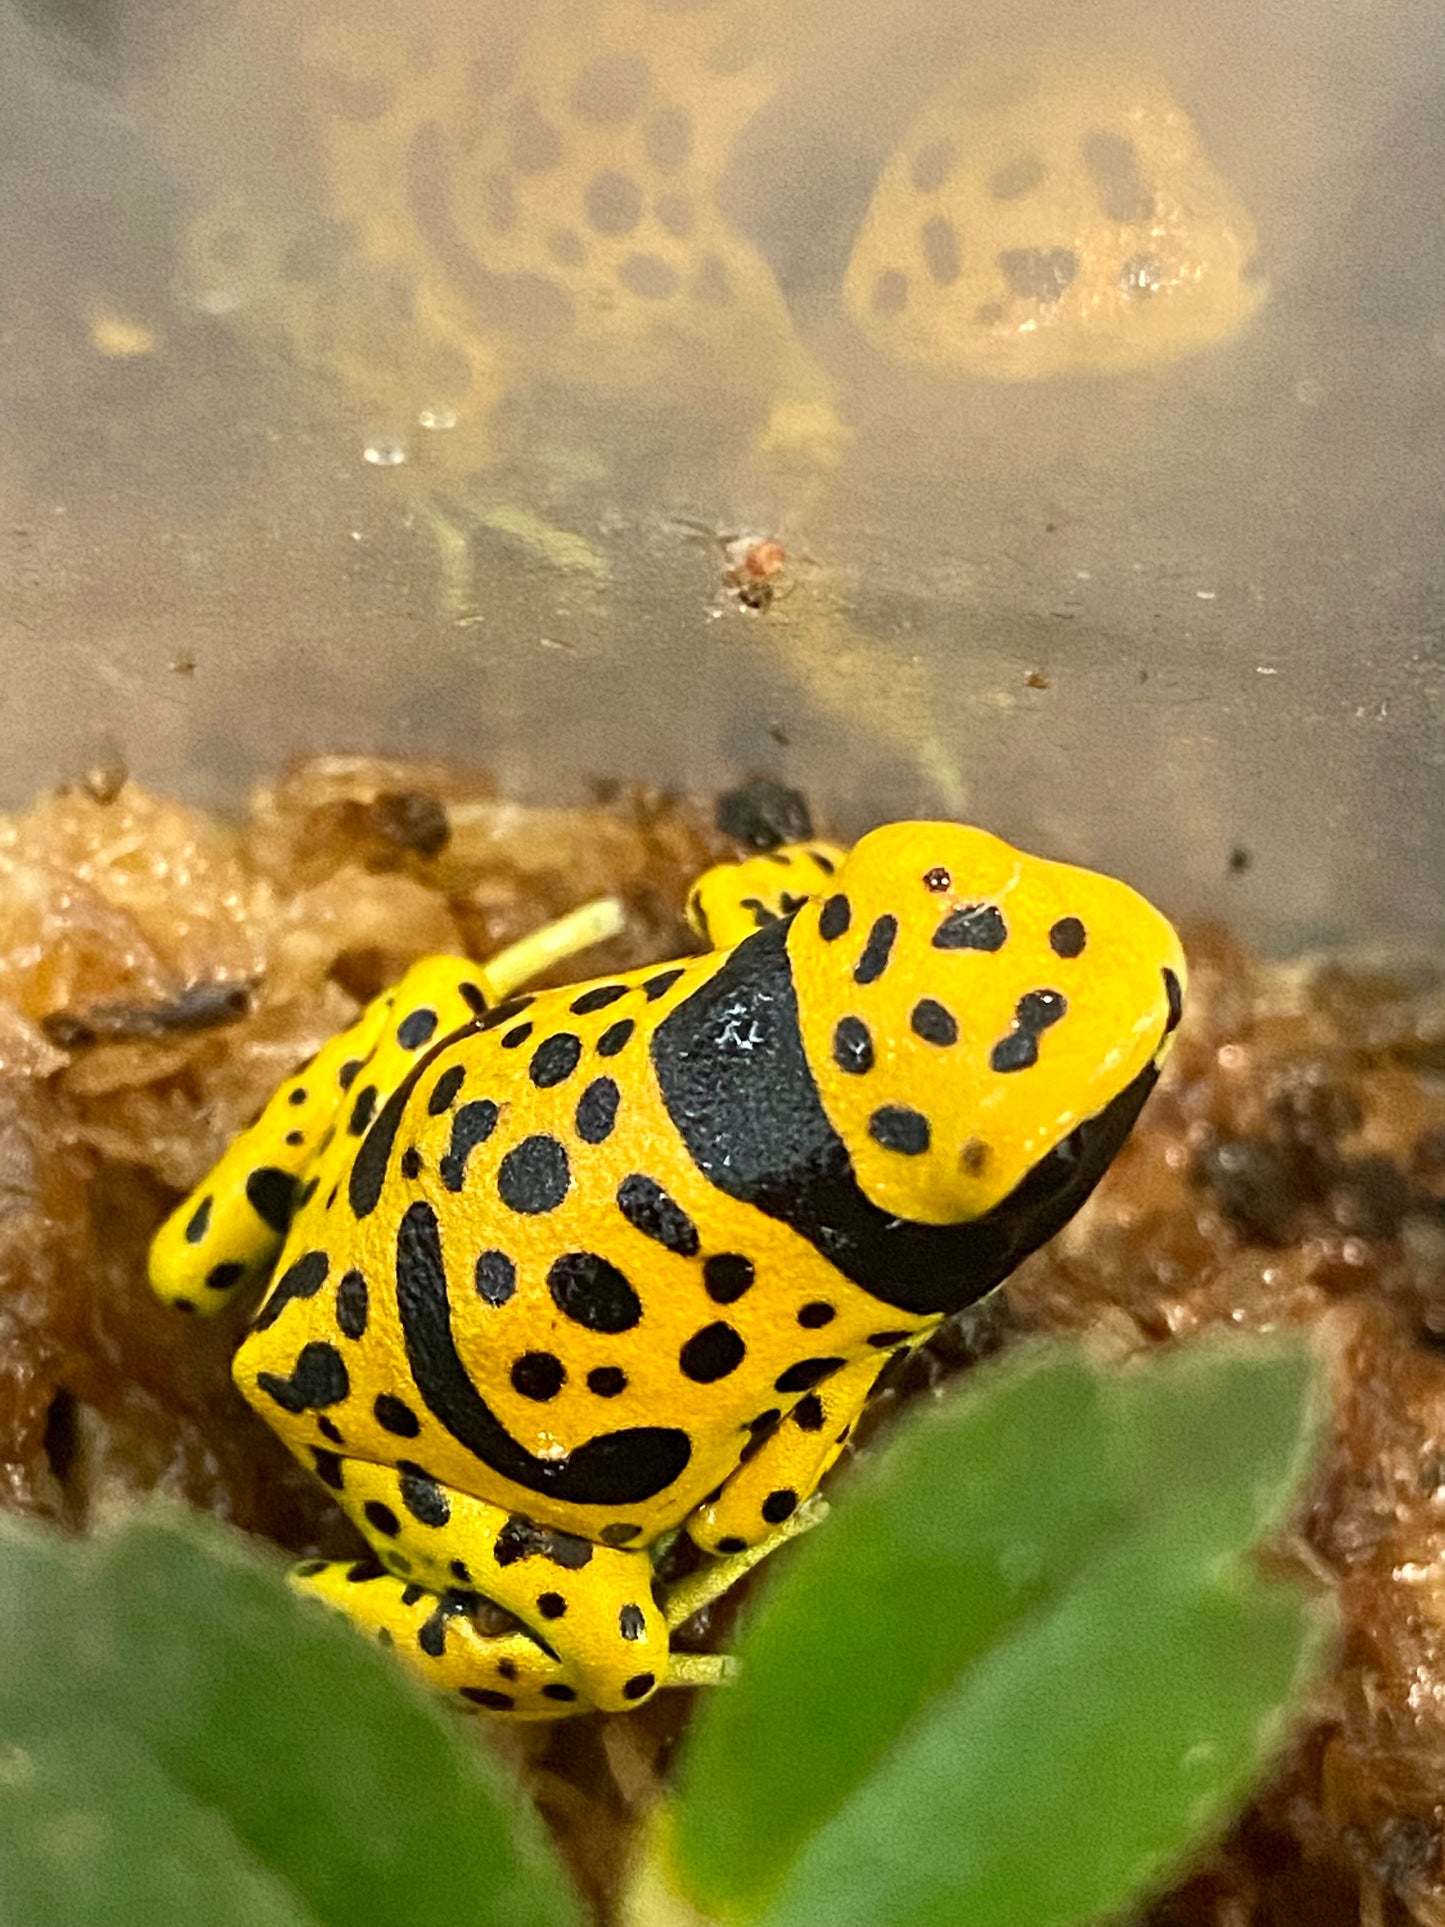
(1052,220)
(497,214)
(460,219)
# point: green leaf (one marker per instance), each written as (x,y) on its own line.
(1068,1772)
(91,1826)
(981,1536)
(171,1693)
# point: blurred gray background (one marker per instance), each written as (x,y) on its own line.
(1187,621)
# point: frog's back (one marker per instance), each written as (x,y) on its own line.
(512,1275)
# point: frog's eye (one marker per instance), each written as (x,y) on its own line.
(937,879)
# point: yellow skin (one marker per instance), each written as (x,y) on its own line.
(559,1275)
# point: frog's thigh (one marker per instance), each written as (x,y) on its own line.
(730,901)
(591,1607)
(440,996)
(439,1637)
(228,1232)
(768,1488)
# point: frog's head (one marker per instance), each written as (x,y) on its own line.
(983,1027)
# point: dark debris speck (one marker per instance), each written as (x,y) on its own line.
(412,820)
(762,813)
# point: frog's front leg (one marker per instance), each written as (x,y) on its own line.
(731,900)
(772,1497)
(785,1461)
(228,1233)
(591,1632)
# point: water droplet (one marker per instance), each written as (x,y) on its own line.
(437,418)
(384,451)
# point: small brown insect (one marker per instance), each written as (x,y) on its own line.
(753,569)
(753,566)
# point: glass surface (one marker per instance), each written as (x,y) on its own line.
(383,376)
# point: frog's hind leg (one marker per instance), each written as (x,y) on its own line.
(227,1234)
(590,1633)
(731,900)
(451,1638)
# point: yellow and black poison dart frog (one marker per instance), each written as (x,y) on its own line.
(556,1275)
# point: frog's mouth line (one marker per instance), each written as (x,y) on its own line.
(735,1079)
